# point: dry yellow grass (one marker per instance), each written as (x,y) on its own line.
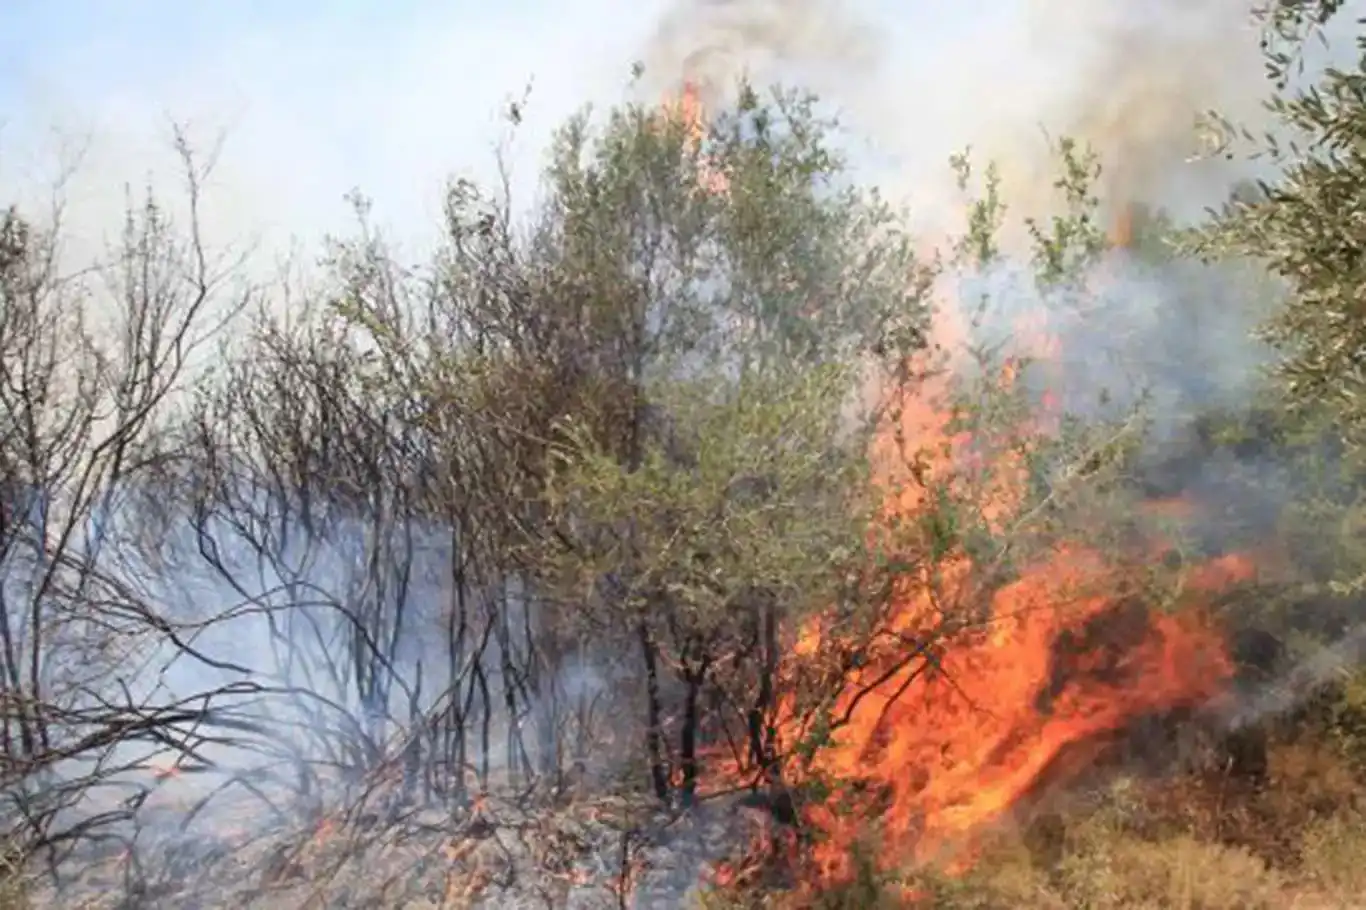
(1300,842)
(1297,843)
(13,884)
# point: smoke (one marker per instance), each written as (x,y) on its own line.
(711,43)
(317,666)
(1003,78)
(1129,81)
(1296,685)
(1006,80)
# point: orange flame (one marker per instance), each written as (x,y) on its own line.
(1122,229)
(165,770)
(954,746)
(954,741)
(689,110)
(935,744)
(938,744)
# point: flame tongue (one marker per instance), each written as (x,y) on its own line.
(687,107)
(1071,656)
(964,741)
(1122,229)
(690,109)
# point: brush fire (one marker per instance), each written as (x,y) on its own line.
(1014,627)
(949,728)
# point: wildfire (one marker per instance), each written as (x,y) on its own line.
(1122,229)
(1071,652)
(689,111)
(165,770)
(935,744)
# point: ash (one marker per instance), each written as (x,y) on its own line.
(509,850)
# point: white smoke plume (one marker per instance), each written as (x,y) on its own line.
(1006,81)
(924,82)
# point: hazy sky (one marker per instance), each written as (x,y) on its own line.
(394,97)
(316,96)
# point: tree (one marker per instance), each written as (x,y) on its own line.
(91,364)
(1301,229)
(1301,443)
(675,357)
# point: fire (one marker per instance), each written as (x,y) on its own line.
(938,744)
(954,746)
(984,693)
(689,111)
(165,770)
(1122,230)
(1123,218)
(1072,651)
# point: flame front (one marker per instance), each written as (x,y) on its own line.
(1068,653)
(1122,228)
(689,111)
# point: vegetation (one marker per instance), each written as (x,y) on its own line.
(635,494)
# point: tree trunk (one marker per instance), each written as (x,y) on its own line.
(654,732)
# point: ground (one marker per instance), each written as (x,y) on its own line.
(1196,840)
(1203,841)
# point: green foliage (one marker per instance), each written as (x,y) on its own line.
(1305,439)
(1072,241)
(1300,228)
(752,490)
(1287,25)
(739,238)
(1079,467)
(738,281)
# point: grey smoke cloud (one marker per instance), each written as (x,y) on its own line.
(1005,80)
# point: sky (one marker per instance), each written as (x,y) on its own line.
(309,98)
(313,99)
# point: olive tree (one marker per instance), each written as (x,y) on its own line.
(673,361)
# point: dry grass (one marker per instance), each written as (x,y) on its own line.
(1197,843)
(13,882)
(1193,844)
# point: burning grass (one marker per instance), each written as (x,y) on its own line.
(1193,840)
(984,688)
(984,685)
(1193,837)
